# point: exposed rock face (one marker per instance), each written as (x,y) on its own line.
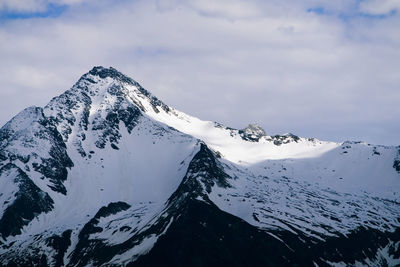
(28,201)
(396,163)
(253,133)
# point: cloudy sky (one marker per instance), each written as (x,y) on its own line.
(316,68)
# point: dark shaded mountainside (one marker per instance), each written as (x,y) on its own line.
(106,174)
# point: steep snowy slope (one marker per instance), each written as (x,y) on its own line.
(109,150)
(348,166)
(106,173)
(244,147)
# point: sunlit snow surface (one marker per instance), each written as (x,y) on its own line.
(313,186)
(347,167)
(309,184)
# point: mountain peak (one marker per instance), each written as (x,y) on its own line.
(110,72)
(120,85)
(253,132)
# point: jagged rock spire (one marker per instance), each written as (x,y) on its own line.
(253,132)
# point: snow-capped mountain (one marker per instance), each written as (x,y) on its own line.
(107,174)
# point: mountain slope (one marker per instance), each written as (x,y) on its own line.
(106,173)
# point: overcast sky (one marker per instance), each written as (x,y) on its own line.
(328,69)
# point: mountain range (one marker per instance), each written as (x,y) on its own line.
(106,174)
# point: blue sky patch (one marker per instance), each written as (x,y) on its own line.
(347,16)
(51,11)
(317,10)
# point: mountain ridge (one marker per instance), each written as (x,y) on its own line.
(116,175)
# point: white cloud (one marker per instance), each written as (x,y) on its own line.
(233,9)
(34,6)
(267,62)
(379,7)
(23,5)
